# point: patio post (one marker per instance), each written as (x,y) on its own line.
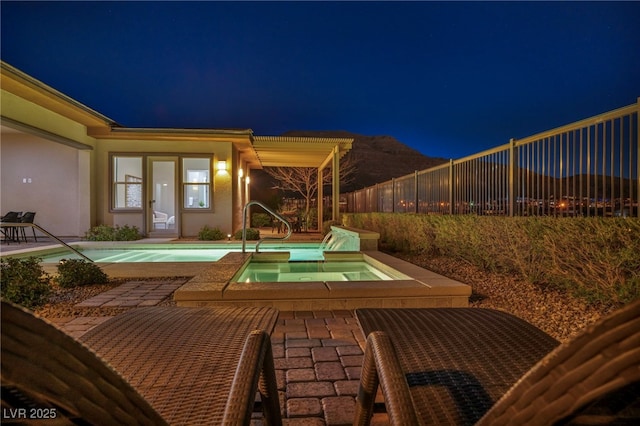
(320,203)
(336,184)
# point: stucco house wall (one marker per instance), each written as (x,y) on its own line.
(189,221)
(57,156)
(62,150)
(59,195)
(42,176)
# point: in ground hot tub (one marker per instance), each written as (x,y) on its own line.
(346,279)
(319,271)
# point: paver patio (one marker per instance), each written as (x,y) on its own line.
(317,354)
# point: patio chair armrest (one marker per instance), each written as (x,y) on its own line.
(603,361)
(381,365)
(44,367)
(255,371)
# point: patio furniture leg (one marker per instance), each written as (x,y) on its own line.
(392,380)
(268,386)
(369,382)
(257,351)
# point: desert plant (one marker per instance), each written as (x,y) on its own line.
(210,234)
(100,233)
(326,226)
(23,281)
(110,233)
(127,233)
(79,272)
(593,258)
(260,220)
(252,234)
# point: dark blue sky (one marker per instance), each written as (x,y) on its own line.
(449,79)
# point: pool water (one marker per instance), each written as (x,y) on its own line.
(312,271)
(176,253)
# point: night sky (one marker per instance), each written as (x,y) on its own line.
(449,79)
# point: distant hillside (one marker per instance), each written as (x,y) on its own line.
(379,158)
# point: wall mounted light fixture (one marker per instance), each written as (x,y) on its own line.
(222,166)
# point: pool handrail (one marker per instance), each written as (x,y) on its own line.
(274,214)
(49,234)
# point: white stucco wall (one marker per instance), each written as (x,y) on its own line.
(47,178)
(190,221)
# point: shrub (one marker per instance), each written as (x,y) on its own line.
(23,281)
(326,226)
(210,234)
(109,233)
(100,233)
(127,233)
(259,220)
(79,272)
(252,234)
(594,258)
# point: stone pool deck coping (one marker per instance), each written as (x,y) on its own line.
(422,288)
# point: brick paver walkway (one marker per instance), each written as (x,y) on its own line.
(317,355)
(134,293)
(318,359)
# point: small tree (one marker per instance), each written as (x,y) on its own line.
(304,180)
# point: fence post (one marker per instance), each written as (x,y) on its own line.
(393,195)
(513,168)
(451,186)
(415,191)
(637,160)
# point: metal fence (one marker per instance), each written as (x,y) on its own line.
(587,168)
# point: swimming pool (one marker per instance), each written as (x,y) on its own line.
(319,271)
(134,253)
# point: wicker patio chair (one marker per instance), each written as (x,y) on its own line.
(462,366)
(148,366)
(28,217)
(9,232)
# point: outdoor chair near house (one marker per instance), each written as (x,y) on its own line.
(464,366)
(148,366)
(276,225)
(160,218)
(9,232)
(28,217)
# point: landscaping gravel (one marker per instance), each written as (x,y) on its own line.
(557,313)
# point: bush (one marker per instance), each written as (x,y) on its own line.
(127,233)
(326,226)
(23,281)
(210,234)
(260,220)
(252,234)
(79,272)
(109,233)
(594,258)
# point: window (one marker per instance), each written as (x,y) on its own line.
(127,183)
(196,181)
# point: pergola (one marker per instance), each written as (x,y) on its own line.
(298,151)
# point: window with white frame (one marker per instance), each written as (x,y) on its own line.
(127,183)
(196,182)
